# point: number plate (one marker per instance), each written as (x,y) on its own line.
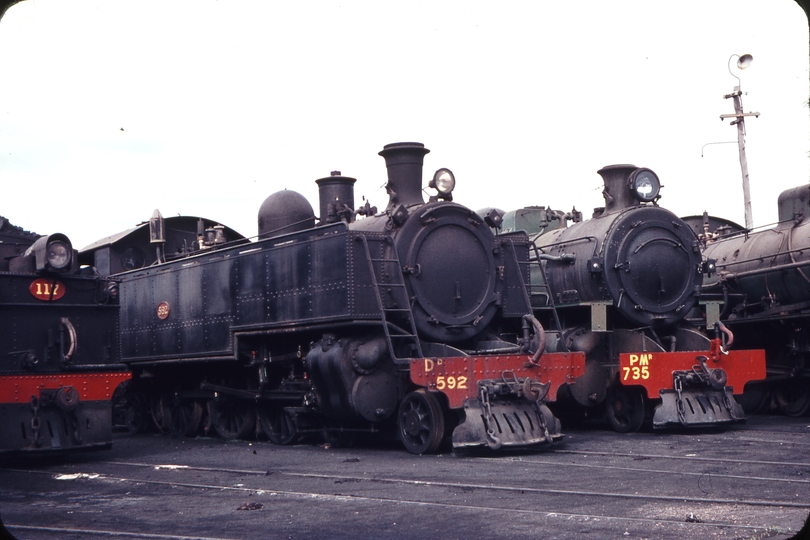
(654,370)
(457,377)
(47,290)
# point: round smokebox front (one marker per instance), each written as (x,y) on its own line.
(651,266)
(447,255)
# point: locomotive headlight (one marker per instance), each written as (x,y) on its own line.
(645,185)
(444,182)
(52,253)
(58,255)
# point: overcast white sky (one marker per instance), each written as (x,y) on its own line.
(225,102)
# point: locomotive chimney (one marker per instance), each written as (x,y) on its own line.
(336,194)
(404,162)
(617,189)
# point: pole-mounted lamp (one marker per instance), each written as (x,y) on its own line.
(739,119)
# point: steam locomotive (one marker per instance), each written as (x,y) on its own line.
(761,290)
(58,347)
(413,322)
(619,287)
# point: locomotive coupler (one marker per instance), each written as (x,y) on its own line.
(701,375)
(534,392)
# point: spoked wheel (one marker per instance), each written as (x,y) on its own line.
(793,399)
(232,419)
(158,416)
(625,408)
(277,424)
(756,399)
(137,414)
(182,416)
(421,422)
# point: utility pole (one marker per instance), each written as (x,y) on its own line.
(739,119)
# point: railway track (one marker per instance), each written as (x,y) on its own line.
(597,484)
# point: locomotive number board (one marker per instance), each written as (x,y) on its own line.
(654,370)
(47,290)
(457,377)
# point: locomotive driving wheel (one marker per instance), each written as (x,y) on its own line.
(277,424)
(625,408)
(137,413)
(232,418)
(756,399)
(156,412)
(421,422)
(182,416)
(793,399)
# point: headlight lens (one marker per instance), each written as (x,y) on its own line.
(58,255)
(645,185)
(443,181)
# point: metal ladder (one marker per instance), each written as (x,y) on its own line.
(397,282)
(529,287)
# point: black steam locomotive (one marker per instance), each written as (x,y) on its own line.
(619,287)
(761,290)
(59,359)
(414,321)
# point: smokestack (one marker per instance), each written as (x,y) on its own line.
(617,190)
(404,162)
(336,194)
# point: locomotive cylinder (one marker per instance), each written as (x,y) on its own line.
(353,378)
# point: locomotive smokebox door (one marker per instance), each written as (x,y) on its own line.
(450,257)
(637,255)
(654,262)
